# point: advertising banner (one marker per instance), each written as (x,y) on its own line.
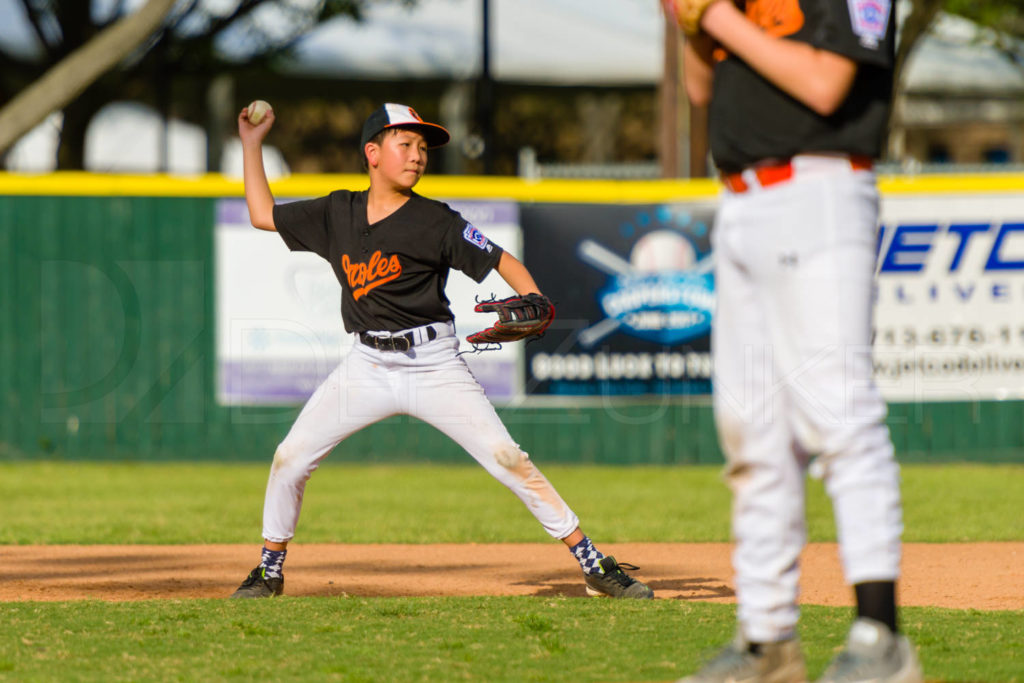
(634,294)
(949,314)
(278,313)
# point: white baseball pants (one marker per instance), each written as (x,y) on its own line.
(429,382)
(794,267)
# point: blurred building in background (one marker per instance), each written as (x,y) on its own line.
(552,88)
(963,100)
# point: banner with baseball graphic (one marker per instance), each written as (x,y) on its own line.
(634,292)
(633,288)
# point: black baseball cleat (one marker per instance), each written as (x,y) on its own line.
(616,583)
(256,585)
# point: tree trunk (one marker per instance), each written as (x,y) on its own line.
(917,23)
(77,116)
(62,84)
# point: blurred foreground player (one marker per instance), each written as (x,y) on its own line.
(799,94)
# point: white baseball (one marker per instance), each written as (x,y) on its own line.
(257,110)
(662,250)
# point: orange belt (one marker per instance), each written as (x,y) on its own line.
(770,174)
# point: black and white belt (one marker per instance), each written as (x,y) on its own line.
(401,341)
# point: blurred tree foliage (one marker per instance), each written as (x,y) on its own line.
(576,125)
(318,122)
(1006,17)
(320,132)
(198,41)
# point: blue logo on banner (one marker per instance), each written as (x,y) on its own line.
(668,307)
(662,293)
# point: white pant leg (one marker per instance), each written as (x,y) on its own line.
(808,250)
(443,393)
(838,411)
(355,395)
(764,473)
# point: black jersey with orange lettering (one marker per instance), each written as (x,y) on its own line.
(753,120)
(392,273)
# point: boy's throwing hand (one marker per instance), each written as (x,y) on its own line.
(254,132)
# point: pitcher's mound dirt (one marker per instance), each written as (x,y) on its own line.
(984,576)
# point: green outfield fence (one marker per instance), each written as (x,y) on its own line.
(107,345)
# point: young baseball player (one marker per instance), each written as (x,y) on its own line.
(391,250)
(799,93)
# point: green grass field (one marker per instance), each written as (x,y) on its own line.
(202,503)
(442,639)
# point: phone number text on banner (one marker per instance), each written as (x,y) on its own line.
(949,314)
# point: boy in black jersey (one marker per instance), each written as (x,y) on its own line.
(798,94)
(391,250)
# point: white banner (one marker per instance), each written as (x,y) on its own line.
(278,313)
(949,316)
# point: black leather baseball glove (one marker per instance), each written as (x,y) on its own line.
(519,317)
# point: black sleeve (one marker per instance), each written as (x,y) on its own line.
(303,224)
(863,30)
(465,248)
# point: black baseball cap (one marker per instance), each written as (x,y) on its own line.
(392,115)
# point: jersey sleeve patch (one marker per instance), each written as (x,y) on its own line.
(870,20)
(475,237)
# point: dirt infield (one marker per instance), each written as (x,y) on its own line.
(985,576)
